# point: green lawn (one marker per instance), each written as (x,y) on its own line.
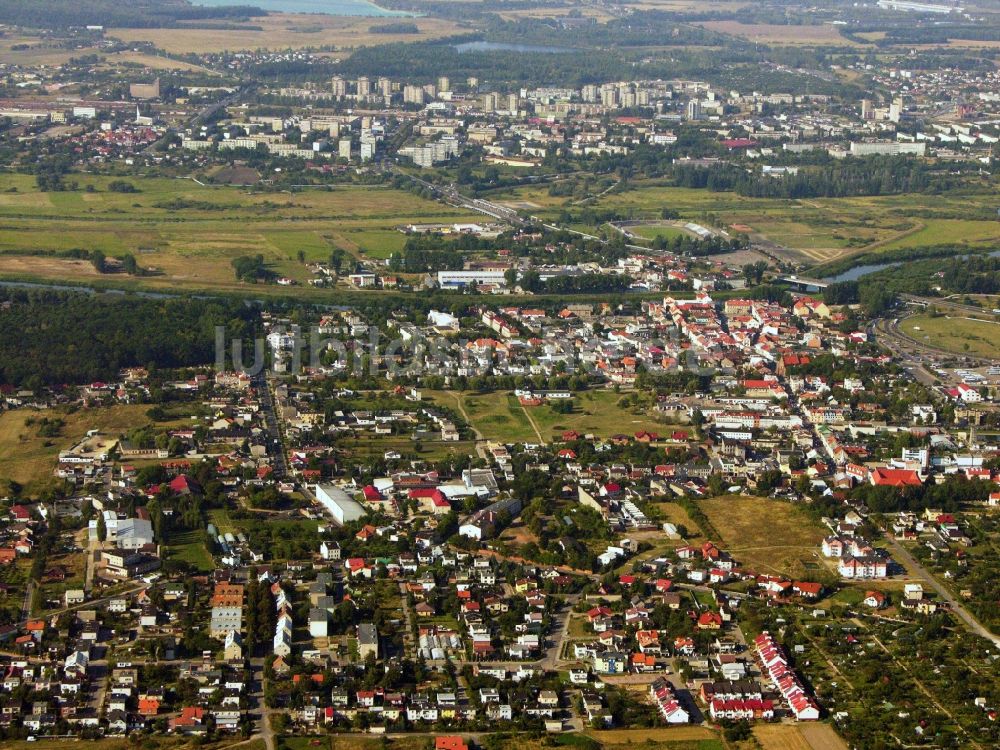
(595,412)
(377,243)
(189,547)
(500,416)
(952,334)
(947,231)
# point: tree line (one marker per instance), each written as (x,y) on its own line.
(878,175)
(137,14)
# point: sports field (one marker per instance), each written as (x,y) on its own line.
(954,334)
(655,231)
(188,234)
(767,536)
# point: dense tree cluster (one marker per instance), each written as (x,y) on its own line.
(251,268)
(586,283)
(949,496)
(59,337)
(876,175)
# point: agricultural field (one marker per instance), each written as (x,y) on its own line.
(810,231)
(954,334)
(33,51)
(675,514)
(798,737)
(219,517)
(29,458)
(768,536)
(188,234)
(672,738)
(287,31)
(765,33)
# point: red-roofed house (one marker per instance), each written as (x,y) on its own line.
(884,477)
(20,513)
(190,720)
(709,621)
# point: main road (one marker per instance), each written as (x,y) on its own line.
(277,447)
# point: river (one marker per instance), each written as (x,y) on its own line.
(858,272)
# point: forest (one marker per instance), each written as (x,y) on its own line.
(67,337)
(141,14)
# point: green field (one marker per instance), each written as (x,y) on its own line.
(816,230)
(189,234)
(767,536)
(189,547)
(499,416)
(595,412)
(946,231)
(951,334)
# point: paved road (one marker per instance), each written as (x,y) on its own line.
(903,555)
(263,729)
(277,447)
(901,343)
(29,591)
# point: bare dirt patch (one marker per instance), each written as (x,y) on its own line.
(59,267)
